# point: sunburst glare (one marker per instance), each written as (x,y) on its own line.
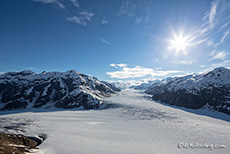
(179,43)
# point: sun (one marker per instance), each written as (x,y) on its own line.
(179,43)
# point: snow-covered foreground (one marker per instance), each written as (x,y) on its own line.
(128,123)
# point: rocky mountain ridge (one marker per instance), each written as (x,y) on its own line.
(71,89)
(196,91)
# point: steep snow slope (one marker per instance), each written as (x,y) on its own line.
(71,89)
(195,91)
(128,123)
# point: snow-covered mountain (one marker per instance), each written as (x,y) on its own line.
(124,84)
(135,84)
(71,89)
(144,86)
(210,89)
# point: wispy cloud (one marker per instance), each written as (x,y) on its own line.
(75,3)
(222,39)
(127,8)
(183,62)
(104,21)
(212,14)
(83,18)
(33,69)
(138,20)
(137,72)
(224,26)
(79,16)
(78,20)
(118,65)
(56,2)
(156,60)
(203,66)
(221,55)
(215,22)
(225,63)
(87,15)
(104,41)
(135,12)
(209,43)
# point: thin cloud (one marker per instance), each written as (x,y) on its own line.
(183,62)
(224,26)
(132,9)
(156,60)
(104,21)
(75,3)
(33,69)
(104,41)
(56,2)
(138,20)
(127,8)
(113,65)
(214,22)
(137,72)
(223,38)
(203,66)
(118,65)
(212,14)
(83,18)
(210,43)
(225,63)
(157,68)
(87,15)
(221,55)
(78,20)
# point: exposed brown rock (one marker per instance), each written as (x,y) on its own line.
(16,144)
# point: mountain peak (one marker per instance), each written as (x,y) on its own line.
(71,89)
(221,69)
(195,91)
(72,72)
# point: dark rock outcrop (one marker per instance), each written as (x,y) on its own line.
(18,144)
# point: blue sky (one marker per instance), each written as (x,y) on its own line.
(115,39)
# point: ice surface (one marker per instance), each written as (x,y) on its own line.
(128,123)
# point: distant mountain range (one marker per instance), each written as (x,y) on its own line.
(124,84)
(71,89)
(211,89)
(144,86)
